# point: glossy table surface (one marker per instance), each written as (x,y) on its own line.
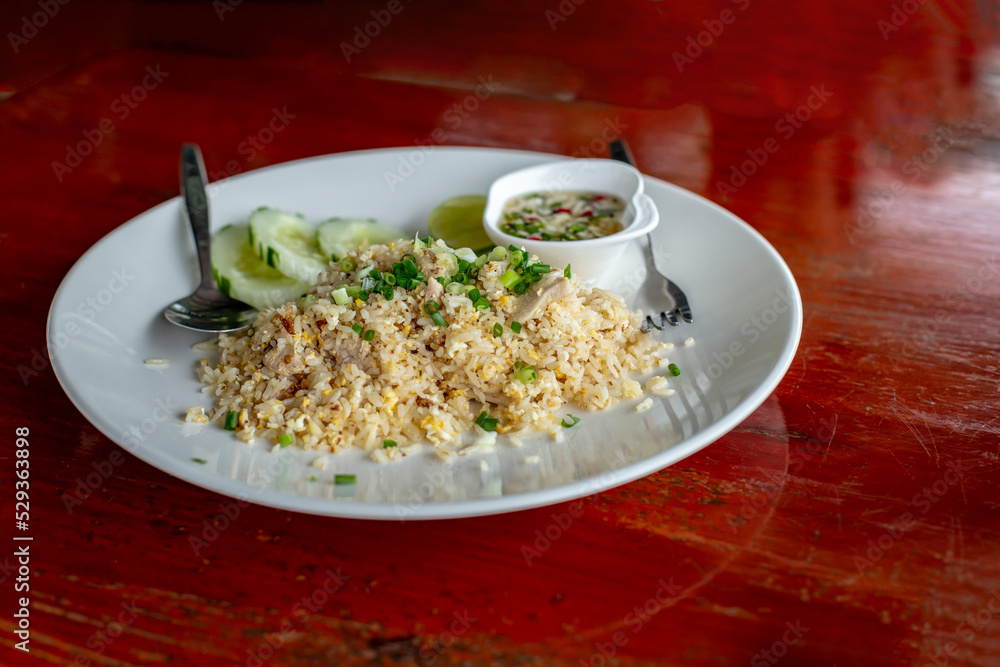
(851,520)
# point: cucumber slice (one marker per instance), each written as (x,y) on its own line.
(339,236)
(287,242)
(241,274)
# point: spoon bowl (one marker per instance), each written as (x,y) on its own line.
(207,309)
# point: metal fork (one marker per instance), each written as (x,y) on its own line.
(680,310)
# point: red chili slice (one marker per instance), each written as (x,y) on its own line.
(534,237)
(586,214)
(562,209)
(597,198)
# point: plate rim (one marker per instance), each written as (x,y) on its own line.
(467,508)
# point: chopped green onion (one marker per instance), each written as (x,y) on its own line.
(199,460)
(540,268)
(482,305)
(499,253)
(388,292)
(567,272)
(674,370)
(386,444)
(353,291)
(390,279)
(411,268)
(516,257)
(250,332)
(438,320)
(340,297)
(369,334)
(357,328)
(453,288)
(485,422)
(574,422)
(410,255)
(523,372)
(467,289)
(363,295)
(497,330)
(347,265)
(431,307)
(460,278)
(510,279)
(345,479)
(312,478)
(474,295)
(444,281)
(481,261)
(286,439)
(515,327)
(231,418)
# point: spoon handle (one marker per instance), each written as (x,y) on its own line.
(195,208)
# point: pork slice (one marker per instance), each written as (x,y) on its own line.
(532,303)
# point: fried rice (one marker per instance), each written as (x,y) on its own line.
(311,374)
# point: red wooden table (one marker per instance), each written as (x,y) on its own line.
(852,520)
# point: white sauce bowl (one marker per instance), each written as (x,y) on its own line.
(590,257)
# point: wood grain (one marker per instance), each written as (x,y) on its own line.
(883,203)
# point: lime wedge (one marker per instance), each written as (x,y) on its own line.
(459,221)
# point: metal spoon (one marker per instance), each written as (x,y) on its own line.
(207,309)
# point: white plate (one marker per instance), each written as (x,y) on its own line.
(106,321)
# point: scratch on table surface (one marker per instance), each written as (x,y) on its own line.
(905,469)
(888,407)
(829,443)
(914,432)
(930,433)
